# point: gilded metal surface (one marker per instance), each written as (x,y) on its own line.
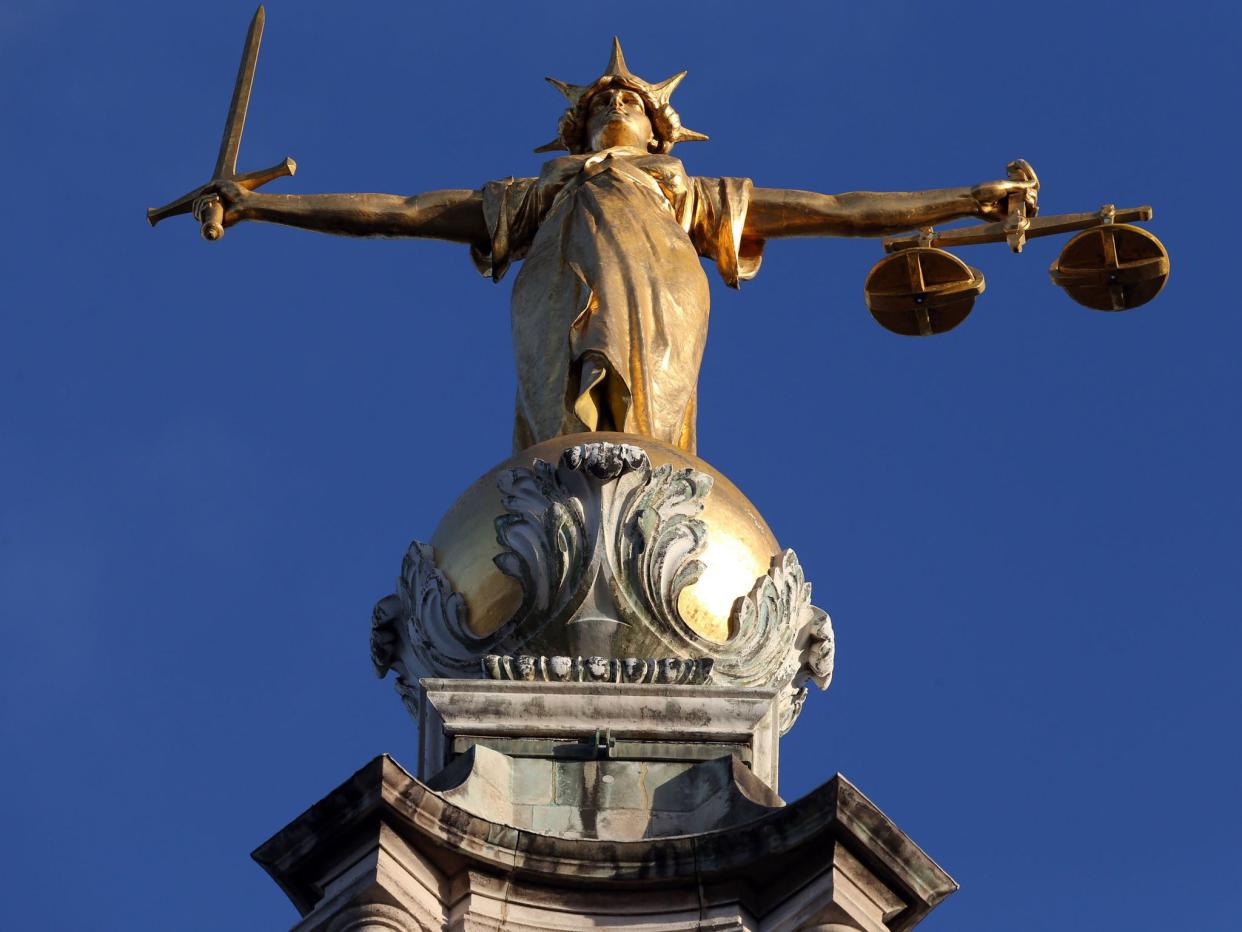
(1112,267)
(610,309)
(740,547)
(1016,218)
(1048,225)
(922,291)
(204,202)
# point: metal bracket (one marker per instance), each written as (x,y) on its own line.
(604,746)
(605,743)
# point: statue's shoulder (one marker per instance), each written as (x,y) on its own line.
(661,161)
(562,165)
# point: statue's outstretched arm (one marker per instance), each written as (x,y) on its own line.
(455,215)
(776,212)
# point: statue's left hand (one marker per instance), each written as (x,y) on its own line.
(992,197)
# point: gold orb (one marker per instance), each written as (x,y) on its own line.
(740,547)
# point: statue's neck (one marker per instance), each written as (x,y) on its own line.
(617,150)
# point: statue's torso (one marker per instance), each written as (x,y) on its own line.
(663,173)
(611,270)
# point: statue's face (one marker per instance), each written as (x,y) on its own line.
(617,117)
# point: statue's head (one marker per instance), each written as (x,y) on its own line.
(619,109)
(617,116)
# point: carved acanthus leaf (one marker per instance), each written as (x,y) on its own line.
(658,537)
(544,536)
(818,648)
(783,640)
(603,543)
(602,514)
(421,630)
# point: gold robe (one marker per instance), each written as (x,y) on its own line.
(610,307)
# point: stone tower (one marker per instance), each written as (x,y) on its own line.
(602,645)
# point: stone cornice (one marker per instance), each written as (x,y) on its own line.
(771,855)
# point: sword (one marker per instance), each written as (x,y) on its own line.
(206,206)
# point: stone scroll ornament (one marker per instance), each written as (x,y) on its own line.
(421,630)
(604,539)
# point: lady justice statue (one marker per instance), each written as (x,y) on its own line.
(625,612)
(610,307)
(604,537)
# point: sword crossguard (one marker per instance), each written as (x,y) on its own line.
(250,181)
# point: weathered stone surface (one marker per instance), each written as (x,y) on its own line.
(655,722)
(616,800)
(385,839)
(560,669)
(604,546)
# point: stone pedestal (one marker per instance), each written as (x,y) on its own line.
(602,649)
(387,851)
(588,805)
(635,722)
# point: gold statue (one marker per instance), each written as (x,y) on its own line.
(610,307)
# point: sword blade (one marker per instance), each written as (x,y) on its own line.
(226,161)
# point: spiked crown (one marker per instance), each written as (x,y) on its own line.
(665,122)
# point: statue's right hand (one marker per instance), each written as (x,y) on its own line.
(231,196)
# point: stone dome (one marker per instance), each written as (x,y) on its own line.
(604,557)
(739,546)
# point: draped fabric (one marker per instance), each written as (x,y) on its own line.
(610,308)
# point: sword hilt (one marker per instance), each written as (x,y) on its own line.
(250,181)
(209,211)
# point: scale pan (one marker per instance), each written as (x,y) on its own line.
(1112,267)
(922,291)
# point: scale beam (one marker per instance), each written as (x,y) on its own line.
(1037,226)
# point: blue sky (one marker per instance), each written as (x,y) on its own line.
(1026,531)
